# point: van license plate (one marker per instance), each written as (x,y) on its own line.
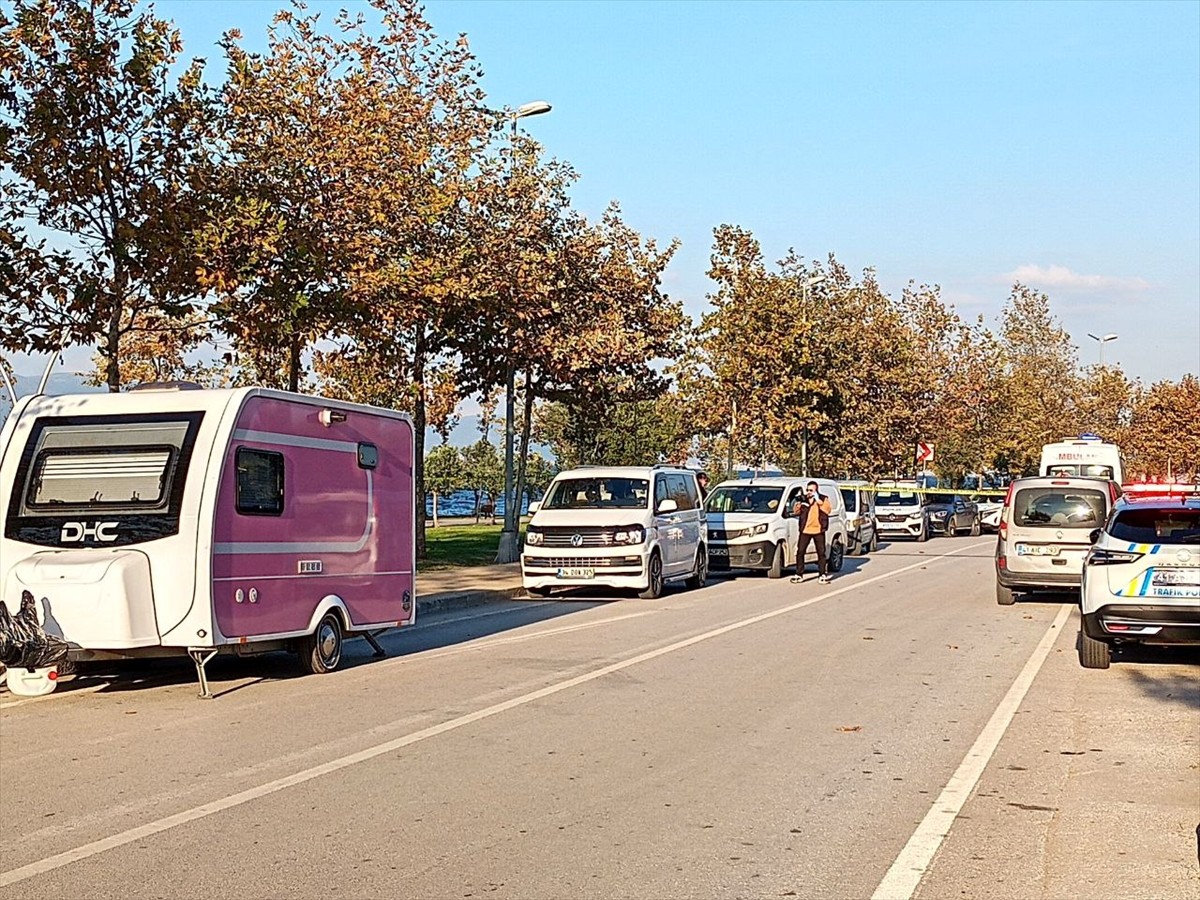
(576,573)
(1027,550)
(718,551)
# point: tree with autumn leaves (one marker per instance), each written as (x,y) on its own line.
(345,213)
(105,153)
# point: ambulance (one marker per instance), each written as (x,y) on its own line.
(1086,456)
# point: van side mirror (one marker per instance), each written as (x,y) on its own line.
(535,506)
(1094,535)
(786,512)
(667,506)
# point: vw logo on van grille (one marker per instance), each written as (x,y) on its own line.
(577,540)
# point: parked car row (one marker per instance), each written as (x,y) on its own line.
(1134,559)
(639,528)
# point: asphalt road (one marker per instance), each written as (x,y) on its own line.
(893,734)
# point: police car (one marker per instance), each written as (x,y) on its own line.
(1141,578)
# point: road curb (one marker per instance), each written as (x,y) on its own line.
(452,600)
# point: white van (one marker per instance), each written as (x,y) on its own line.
(750,525)
(1086,456)
(634,527)
(862,532)
(1046,530)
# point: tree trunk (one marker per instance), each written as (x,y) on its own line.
(523,460)
(418,376)
(294,363)
(112,337)
(478,495)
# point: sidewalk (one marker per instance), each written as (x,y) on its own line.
(457,588)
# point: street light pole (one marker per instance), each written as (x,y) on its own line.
(1102,341)
(804,298)
(508,551)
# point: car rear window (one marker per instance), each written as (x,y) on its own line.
(1056,507)
(1157,526)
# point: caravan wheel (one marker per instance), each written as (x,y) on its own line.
(321,651)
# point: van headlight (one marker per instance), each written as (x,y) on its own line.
(635,535)
(758,529)
(533,538)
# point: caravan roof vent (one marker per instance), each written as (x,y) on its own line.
(167,386)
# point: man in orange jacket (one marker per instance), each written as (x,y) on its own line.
(812,511)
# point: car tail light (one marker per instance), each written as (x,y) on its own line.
(1002,562)
(1098,556)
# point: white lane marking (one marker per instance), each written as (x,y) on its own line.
(905,874)
(141,832)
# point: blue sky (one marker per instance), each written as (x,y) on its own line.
(961,144)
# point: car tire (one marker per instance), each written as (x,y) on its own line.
(1004,595)
(923,536)
(1093,654)
(699,576)
(539,591)
(778,561)
(837,555)
(951,529)
(976,527)
(321,651)
(874,541)
(654,578)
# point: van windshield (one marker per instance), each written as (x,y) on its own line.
(1052,507)
(1082,470)
(598,493)
(1157,526)
(743,499)
(897,498)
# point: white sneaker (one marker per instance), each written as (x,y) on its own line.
(824,579)
(797,579)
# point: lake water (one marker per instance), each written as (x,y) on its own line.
(462,503)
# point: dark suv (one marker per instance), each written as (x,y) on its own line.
(951,515)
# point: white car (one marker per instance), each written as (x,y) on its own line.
(1141,579)
(633,527)
(990,510)
(750,525)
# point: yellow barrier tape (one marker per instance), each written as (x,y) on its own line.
(904,489)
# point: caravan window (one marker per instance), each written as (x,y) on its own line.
(100,476)
(135,464)
(259,482)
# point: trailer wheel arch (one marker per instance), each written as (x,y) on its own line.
(330,602)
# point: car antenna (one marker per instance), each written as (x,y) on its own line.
(54,357)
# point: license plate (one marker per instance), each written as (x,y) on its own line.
(576,573)
(1189,577)
(1027,550)
(718,551)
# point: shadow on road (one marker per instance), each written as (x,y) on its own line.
(227,674)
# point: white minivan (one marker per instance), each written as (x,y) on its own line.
(1046,532)
(750,525)
(633,527)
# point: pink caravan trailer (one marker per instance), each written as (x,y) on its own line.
(172,520)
